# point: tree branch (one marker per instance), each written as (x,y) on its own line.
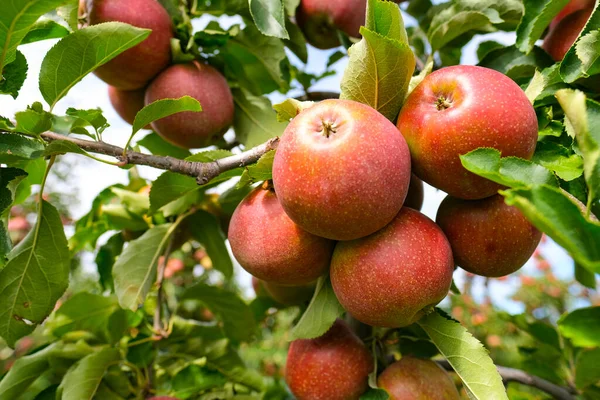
(318,96)
(516,375)
(204,172)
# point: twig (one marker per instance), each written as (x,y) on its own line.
(318,96)
(516,375)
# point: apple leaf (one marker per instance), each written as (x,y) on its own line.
(24,372)
(467,356)
(163,108)
(382,63)
(14,76)
(581,326)
(261,171)
(269,17)
(415,80)
(557,158)
(15,147)
(587,369)
(43,30)
(537,17)
(9,179)
(255,121)
(34,120)
(585,277)
(375,394)
(582,59)
(515,64)
(160,147)
(289,108)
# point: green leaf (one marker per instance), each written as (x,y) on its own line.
(587,369)
(34,120)
(160,147)
(18,16)
(13,76)
(382,63)
(168,187)
(92,117)
(78,54)
(467,356)
(45,29)
(537,17)
(24,372)
(453,22)
(582,326)
(222,357)
(194,379)
(375,394)
(415,80)
(105,260)
(296,43)
(35,276)
(63,147)
(9,179)
(255,121)
(69,13)
(557,158)
(206,229)
(269,17)
(582,59)
(163,108)
(238,319)
(507,171)
(587,51)
(323,310)
(82,380)
(585,277)
(261,171)
(485,47)
(515,64)
(135,270)
(289,108)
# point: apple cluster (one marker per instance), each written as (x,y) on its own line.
(144,74)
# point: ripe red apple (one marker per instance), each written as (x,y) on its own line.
(271,247)
(209,87)
(289,295)
(488,237)
(414,379)
(395,276)
(334,366)
(458,109)
(416,193)
(570,8)
(341,170)
(560,38)
(127,103)
(134,68)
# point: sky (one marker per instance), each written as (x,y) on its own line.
(91,177)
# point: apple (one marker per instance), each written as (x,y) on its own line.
(560,38)
(271,247)
(127,103)
(210,88)
(458,109)
(570,8)
(488,237)
(395,276)
(334,366)
(413,379)
(416,193)
(341,170)
(289,295)
(134,68)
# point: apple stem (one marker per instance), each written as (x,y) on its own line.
(268,185)
(328,128)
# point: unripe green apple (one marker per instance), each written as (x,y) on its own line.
(127,103)
(458,109)
(334,366)
(271,247)
(134,68)
(560,38)
(341,170)
(488,237)
(205,84)
(395,276)
(417,379)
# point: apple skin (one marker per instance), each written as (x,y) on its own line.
(395,276)
(560,39)
(570,8)
(127,103)
(488,237)
(416,193)
(347,184)
(334,366)
(134,68)
(205,84)
(458,109)
(271,247)
(414,379)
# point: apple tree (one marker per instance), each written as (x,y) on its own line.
(315,193)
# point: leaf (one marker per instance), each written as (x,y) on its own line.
(160,147)
(587,51)
(587,369)
(415,80)
(63,147)
(14,76)
(582,59)
(536,86)
(163,108)
(45,29)
(15,21)
(105,260)
(581,326)
(467,356)
(515,64)
(82,380)
(78,54)
(9,179)
(381,64)
(585,277)
(323,310)
(24,372)
(507,171)
(135,269)
(296,43)
(375,394)
(206,229)
(557,158)
(261,171)
(34,120)
(69,13)
(36,275)
(15,147)
(93,117)
(238,319)
(254,122)
(452,22)
(168,187)
(269,17)
(537,17)
(289,108)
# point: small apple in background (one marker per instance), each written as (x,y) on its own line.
(134,68)
(174,265)
(395,276)
(271,247)
(560,38)
(334,366)
(205,84)
(488,237)
(289,295)
(127,103)
(341,170)
(414,379)
(416,193)
(570,8)
(458,109)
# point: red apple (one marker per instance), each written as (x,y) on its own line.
(395,276)
(289,295)
(209,87)
(127,103)
(271,247)
(488,237)
(341,170)
(334,366)
(570,8)
(458,109)
(560,38)
(135,67)
(416,193)
(415,379)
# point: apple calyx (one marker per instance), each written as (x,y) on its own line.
(442,103)
(328,128)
